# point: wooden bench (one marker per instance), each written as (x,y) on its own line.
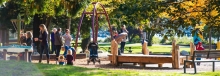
(203,54)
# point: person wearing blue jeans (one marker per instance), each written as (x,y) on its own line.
(66,49)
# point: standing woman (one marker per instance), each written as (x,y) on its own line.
(123,30)
(29,42)
(44,43)
(58,42)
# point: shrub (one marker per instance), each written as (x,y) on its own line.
(184,40)
(136,39)
(156,40)
(100,41)
(108,39)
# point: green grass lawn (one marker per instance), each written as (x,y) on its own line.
(136,48)
(15,68)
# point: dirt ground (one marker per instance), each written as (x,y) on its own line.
(149,67)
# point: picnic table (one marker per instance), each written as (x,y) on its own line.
(16,49)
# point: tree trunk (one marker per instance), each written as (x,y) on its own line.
(218,36)
(85,42)
(68,22)
(36,22)
(131,38)
(48,21)
(150,36)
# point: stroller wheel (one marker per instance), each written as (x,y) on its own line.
(88,61)
(99,62)
(93,62)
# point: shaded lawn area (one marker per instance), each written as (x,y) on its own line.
(15,68)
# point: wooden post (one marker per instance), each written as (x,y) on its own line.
(191,54)
(114,50)
(218,47)
(173,53)
(5,54)
(26,55)
(145,50)
(177,57)
(160,65)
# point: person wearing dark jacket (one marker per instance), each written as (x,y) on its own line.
(53,40)
(123,30)
(29,42)
(58,42)
(44,42)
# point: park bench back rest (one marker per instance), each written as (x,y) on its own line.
(206,54)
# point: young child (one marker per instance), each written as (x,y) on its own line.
(61,60)
(69,57)
(115,34)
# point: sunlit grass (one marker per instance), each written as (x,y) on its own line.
(15,68)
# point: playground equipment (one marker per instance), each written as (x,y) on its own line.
(95,15)
(145,58)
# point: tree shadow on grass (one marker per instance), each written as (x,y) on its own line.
(131,66)
(18,68)
(66,70)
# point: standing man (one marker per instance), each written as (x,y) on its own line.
(52,40)
(123,30)
(67,39)
(58,42)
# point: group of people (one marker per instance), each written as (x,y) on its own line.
(56,42)
(26,40)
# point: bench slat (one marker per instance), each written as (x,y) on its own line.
(202,60)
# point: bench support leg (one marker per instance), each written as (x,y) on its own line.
(194,64)
(160,65)
(184,67)
(5,54)
(213,66)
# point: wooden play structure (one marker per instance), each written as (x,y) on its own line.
(175,59)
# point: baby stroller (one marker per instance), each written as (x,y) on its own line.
(93,49)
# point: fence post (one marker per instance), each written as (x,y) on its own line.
(26,55)
(177,57)
(173,53)
(5,54)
